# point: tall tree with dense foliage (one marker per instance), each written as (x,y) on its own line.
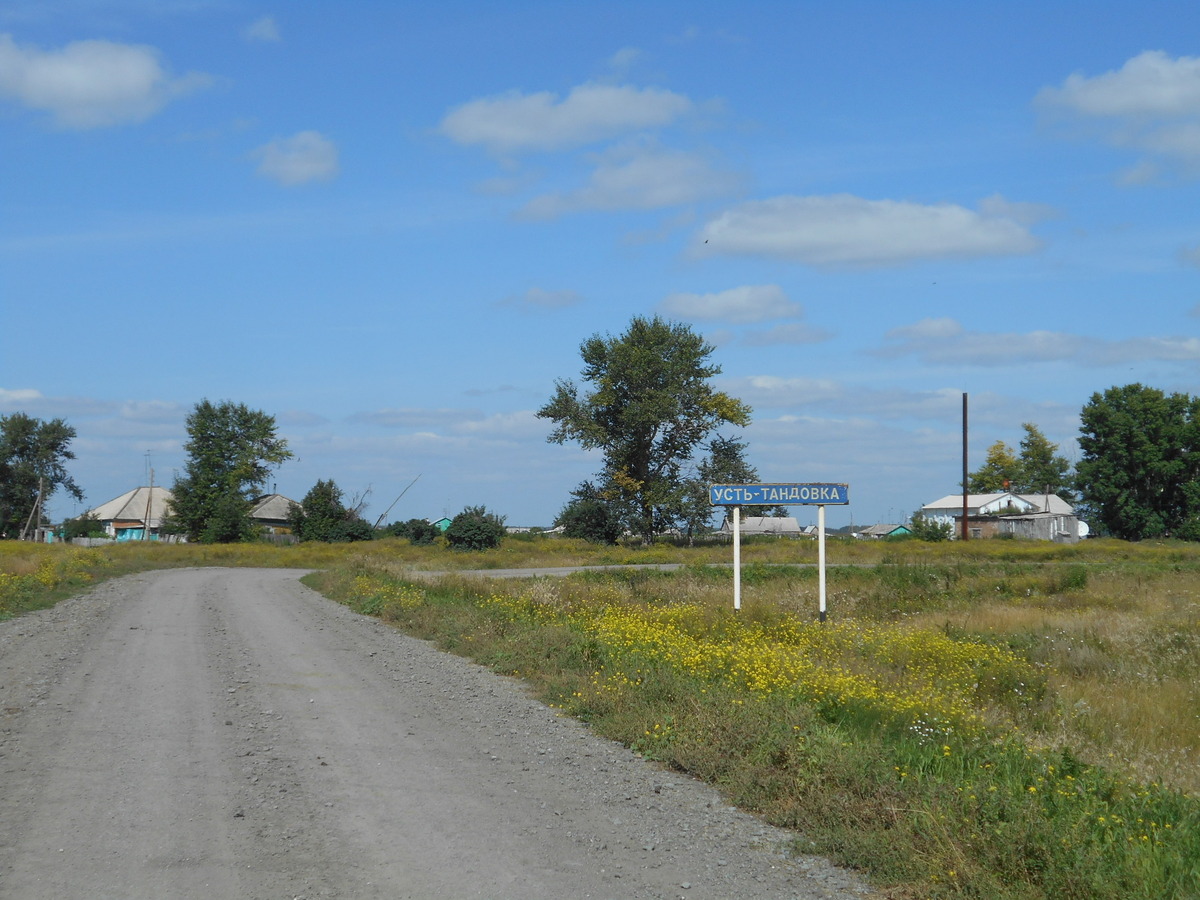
(33,458)
(231,450)
(1139,473)
(649,407)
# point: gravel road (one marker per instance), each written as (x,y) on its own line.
(229,733)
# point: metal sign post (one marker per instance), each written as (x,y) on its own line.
(739,495)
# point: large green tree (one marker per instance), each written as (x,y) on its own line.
(33,458)
(649,407)
(1139,472)
(231,450)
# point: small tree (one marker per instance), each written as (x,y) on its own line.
(1043,469)
(85,526)
(926,529)
(475,529)
(231,450)
(1000,471)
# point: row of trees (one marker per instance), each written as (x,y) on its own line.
(647,404)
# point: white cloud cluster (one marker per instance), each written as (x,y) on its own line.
(844,230)
(639,177)
(91,84)
(944,341)
(516,122)
(740,305)
(303,157)
(637,172)
(1152,103)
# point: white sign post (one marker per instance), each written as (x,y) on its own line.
(818,495)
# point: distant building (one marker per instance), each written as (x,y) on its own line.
(271,513)
(1046,517)
(441,524)
(136,515)
(776,525)
(878,532)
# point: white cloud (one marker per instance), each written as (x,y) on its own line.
(1152,104)
(538,299)
(946,342)
(303,157)
(843,230)
(91,84)
(639,177)
(34,403)
(516,122)
(1150,84)
(264,30)
(740,305)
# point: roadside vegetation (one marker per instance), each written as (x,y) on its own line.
(996,719)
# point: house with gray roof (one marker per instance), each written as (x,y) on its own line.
(1046,517)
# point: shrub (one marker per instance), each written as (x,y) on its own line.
(418,531)
(475,529)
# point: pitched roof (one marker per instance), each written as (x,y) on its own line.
(272,506)
(131,506)
(1057,504)
(882,530)
(766,525)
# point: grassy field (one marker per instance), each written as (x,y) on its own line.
(1000,719)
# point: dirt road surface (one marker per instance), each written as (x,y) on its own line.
(229,733)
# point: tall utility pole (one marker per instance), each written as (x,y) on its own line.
(965,530)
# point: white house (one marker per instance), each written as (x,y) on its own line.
(1040,516)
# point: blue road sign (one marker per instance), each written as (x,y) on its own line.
(779,494)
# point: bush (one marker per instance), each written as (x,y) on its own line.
(418,531)
(475,529)
(924,529)
(86,526)
(591,519)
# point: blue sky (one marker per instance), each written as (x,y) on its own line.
(391,225)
